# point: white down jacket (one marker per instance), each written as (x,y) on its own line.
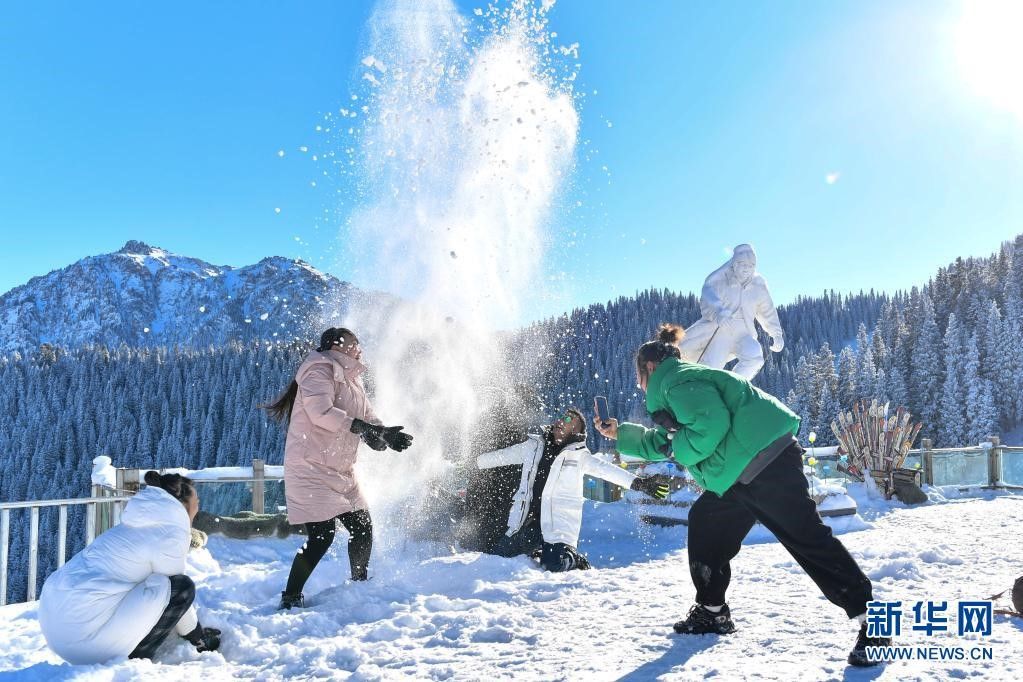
(100,605)
(561,506)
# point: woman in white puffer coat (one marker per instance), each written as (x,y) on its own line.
(123,594)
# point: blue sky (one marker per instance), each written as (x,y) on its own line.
(163,121)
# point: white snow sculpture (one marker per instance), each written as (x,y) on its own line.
(733,297)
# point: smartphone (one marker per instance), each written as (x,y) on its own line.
(600,405)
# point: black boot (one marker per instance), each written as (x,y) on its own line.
(701,621)
(289,601)
(204,639)
(858,656)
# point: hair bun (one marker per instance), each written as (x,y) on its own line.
(152,478)
(670,333)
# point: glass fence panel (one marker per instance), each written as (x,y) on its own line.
(232,497)
(273,497)
(1012,466)
(224,499)
(960,468)
(913,461)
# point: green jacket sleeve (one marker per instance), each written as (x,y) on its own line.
(638,441)
(704,419)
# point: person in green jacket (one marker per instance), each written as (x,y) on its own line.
(739,444)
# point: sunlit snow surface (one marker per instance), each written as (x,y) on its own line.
(436,615)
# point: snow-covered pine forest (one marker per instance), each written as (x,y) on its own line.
(950,351)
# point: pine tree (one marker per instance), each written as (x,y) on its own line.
(981,412)
(926,373)
(866,370)
(953,425)
(847,392)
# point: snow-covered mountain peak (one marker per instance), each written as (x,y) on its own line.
(145,295)
(134,247)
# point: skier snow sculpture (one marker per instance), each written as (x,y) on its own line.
(733,297)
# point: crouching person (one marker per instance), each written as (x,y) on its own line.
(124,594)
(546,510)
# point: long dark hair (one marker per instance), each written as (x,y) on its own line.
(665,346)
(280,409)
(179,487)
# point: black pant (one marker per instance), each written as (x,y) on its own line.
(525,541)
(778,497)
(182,595)
(321,535)
(555,557)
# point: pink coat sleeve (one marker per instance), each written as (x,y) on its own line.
(318,393)
(371,416)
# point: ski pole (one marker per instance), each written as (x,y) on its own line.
(709,341)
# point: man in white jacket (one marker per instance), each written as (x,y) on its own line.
(546,510)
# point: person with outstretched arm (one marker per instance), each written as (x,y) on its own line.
(546,511)
(738,442)
(329,415)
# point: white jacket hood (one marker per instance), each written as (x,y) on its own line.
(154,506)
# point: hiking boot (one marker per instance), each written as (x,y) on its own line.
(858,656)
(701,621)
(289,601)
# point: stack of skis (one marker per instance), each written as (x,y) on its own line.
(874,440)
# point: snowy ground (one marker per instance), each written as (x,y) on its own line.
(467,616)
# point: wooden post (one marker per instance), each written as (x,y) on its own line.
(131,481)
(994,462)
(928,461)
(258,488)
(116,508)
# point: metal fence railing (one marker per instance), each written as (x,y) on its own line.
(33,508)
(104,511)
(990,465)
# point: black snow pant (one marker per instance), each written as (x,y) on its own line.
(555,557)
(779,499)
(321,535)
(526,541)
(182,595)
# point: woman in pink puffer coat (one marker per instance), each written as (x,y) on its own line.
(328,415)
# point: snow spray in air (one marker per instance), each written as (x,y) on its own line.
(466,136)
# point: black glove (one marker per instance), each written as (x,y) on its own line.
(666,420)
(204,639)
(374,441)
(651,486)
(393,436)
